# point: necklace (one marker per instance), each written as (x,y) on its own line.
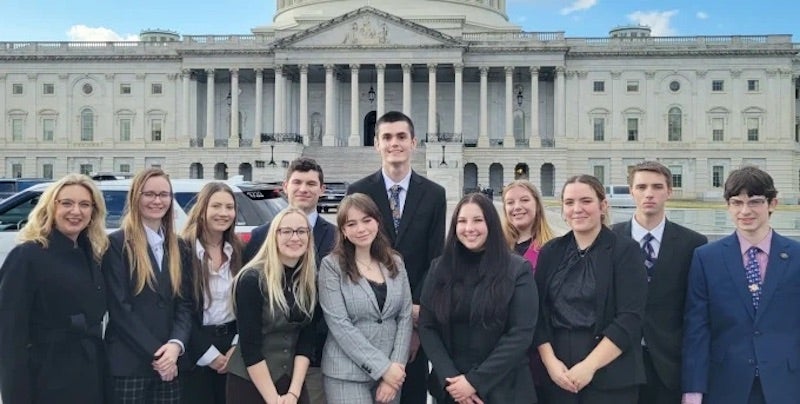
(368,265)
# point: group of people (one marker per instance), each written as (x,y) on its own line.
(502,308)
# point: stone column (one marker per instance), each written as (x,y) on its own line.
(508,139)
(279,100)
(304,105)
(210,110)
(328,137)
(432,128)
(483,127)
(354,139)
(186,76)
(559,109)
(234,105)
(380,108)
(459,104)
(407,89)
(259,106)
(534,140)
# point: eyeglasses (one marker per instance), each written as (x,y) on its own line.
(288,232)
(752,203)
(69,204)
(154,195)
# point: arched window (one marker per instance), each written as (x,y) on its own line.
(87,125)
(674,124)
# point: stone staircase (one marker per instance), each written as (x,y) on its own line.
(353,163)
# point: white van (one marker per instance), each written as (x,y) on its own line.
(619,196)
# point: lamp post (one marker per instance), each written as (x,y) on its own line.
(272,155)
(443,163)
(520,97)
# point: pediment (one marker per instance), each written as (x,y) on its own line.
(367,27)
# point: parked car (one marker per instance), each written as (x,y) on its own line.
(256,205)
(334,193)
(619,196)
(10,186)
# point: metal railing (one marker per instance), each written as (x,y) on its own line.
(443,137)
(281,138)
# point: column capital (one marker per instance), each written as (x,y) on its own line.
(278,69)
(431,67)
(582,74)
(303,69)
(210,72)
(560,70)
(534,70)
(234,71)
(406,68)
(484,70)
(259,70)
(109,76)
(354,67)
(701,74)
(650,74)
(186,72)
(329,68)
(735,73)
(170,76)
(509,70)
(616,74)
(458,67)
(380,67)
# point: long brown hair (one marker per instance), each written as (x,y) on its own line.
(381,249)
(541,232)
(197,230)
(136,245)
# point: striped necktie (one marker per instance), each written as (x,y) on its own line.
(649,254)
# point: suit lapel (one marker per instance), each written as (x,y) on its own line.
(364,284)
(732,256)
(391,288)
(776,270)
(669,240)
(381,198)
(603,260)
(321,230)
(413,198)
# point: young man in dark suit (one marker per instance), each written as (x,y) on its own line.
(413,209)
(303,186)
(668,248)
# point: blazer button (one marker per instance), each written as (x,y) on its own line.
(757,333)
(99,287)
(379,321)
(751,361)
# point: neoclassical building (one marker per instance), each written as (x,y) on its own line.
(490,102)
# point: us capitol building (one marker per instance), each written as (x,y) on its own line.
(490,102)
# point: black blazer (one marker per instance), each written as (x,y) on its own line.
(324,238)
(140,324)
(666,293)
(503,376)
(420,237)
(621,297)
(52,302)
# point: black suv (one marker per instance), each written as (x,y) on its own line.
(334,193)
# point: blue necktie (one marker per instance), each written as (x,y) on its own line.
(649,255)
(753,275)
(394,204)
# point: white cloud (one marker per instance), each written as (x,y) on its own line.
(702,15)
(578,5)
(83,33)
(658,21)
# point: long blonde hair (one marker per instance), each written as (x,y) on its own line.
(541,232)
(136,245)
(41,220)
(267,260)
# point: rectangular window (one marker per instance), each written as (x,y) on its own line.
(16,130)
(48,89)
(155,130)
(48,129)
(16,170)
(16,89)
(752,129)
(125,89)
(125,130)
(633,129)
(599,86)
(86,169)
(47,171)
(717,129)
(677,176)
(124,168)
(599,129)
(156,88)
(260,164)
(717,176)
(600,173)
(752,85)
(718,85)
(633,86)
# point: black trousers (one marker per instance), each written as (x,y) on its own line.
(415,388)
(655,391)
(243,391)
(203,385)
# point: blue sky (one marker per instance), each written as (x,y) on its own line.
(62,20)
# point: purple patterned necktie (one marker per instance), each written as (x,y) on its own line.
(753,275)
(649,255)
(394,204)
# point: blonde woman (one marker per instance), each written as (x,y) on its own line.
(149,314)
(52,300)
(274,300)
(213,254)
(525,225)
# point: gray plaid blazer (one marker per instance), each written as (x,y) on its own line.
(363,341)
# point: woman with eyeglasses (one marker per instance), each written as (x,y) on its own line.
(366,298)
(213,254)
(274,298)
(149,312)
(52,300)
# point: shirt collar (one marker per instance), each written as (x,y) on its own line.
(388,183)
(312,218)
(638,232)
(227,249)
(763,245)
(154,238)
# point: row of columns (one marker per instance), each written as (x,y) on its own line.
(354,139)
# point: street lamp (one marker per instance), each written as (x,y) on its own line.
(443,163)
(520,97)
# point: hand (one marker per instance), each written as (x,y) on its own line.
(558,374)
(473,399)
(169,374)
(227,360)
(395,375)
(415,314)
(413,347)
(220,364)
(459,388)
(385,393)
(166,356)
(581,375)
(287,399)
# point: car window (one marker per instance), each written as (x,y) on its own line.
(15,210)
(621,190)
(115,207)
(7,187)
(186,200)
